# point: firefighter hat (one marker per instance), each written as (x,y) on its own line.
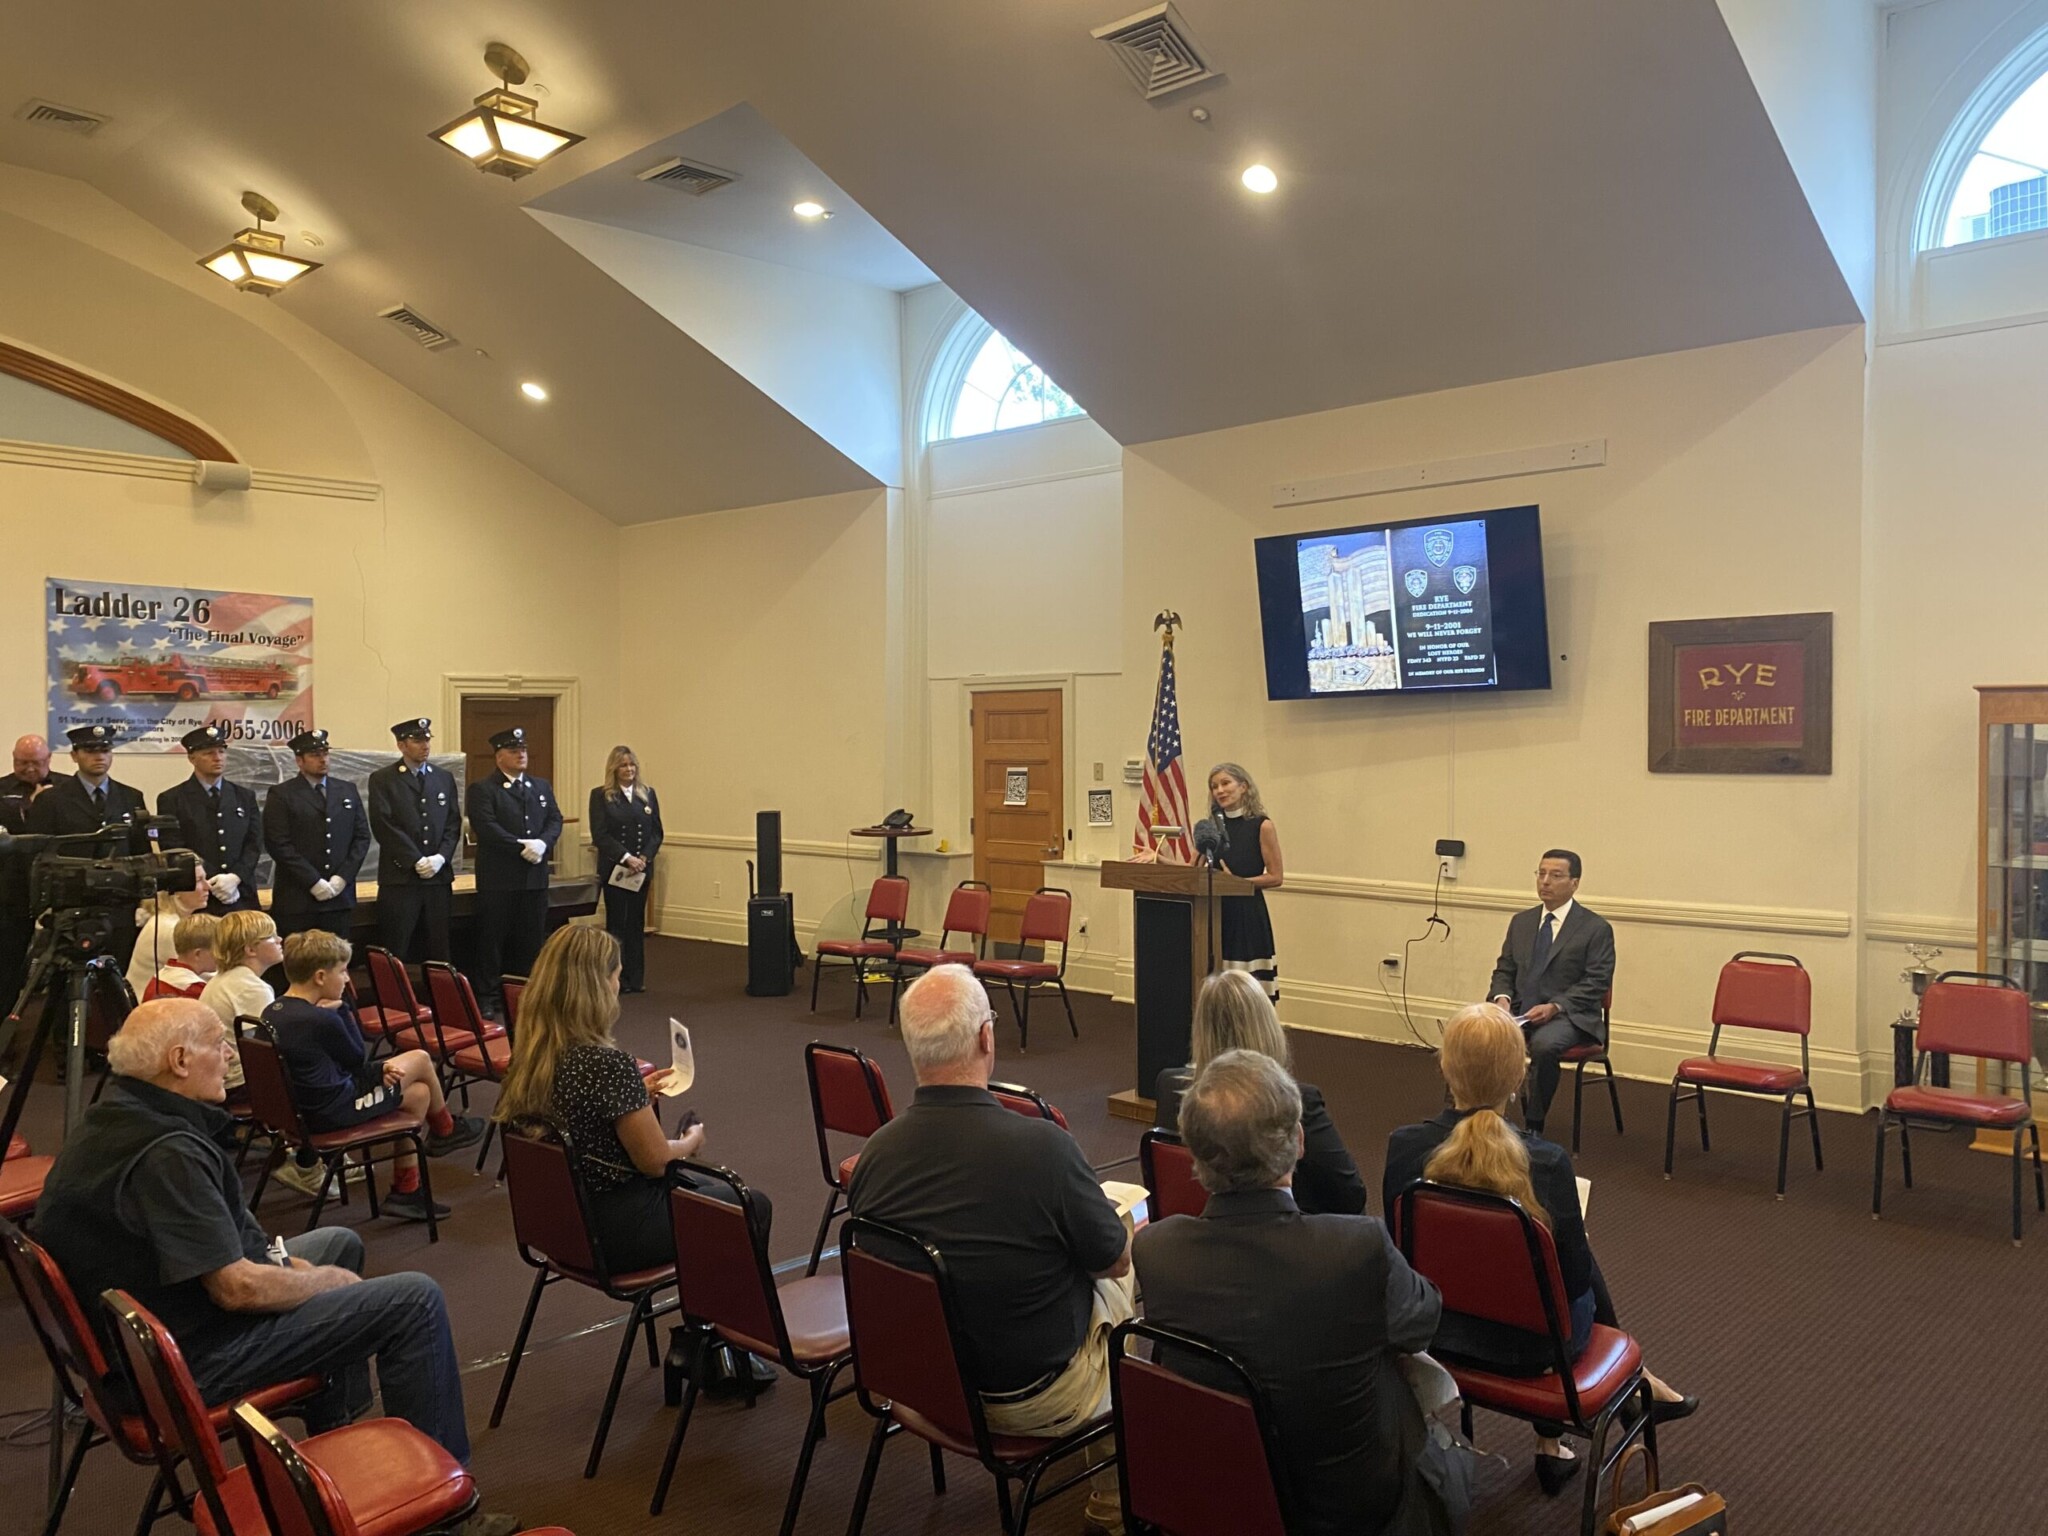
(206,736)
(419,728)
(309,741)
(509,741)
(91,736)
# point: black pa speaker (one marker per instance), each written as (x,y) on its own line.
(768,852)
(771,945)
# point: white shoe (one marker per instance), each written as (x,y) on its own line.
(306,1181)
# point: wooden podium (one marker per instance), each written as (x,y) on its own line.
(1176,929)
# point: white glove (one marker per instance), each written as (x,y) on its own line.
(224,887)
(328,889)
(532,849)
(424,868)
(438,861)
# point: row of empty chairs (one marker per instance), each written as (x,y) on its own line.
(1046,920)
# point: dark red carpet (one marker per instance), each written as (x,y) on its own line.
(1857,1375)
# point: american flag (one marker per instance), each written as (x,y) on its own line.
(1165,799)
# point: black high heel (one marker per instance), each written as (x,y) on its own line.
(1553,1472)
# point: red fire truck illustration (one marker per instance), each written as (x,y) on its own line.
(175,677)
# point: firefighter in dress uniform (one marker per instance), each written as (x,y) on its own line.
(90,800)
(515,821)
(217,819)
(30,780)
(318,837)
(417,819)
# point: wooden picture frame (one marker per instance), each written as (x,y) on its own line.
(1743,695)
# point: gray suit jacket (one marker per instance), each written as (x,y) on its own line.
(1575,975)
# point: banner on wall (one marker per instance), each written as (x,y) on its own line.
(156,662)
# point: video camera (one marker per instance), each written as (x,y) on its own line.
(58,882)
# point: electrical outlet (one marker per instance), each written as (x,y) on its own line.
(1447,868)
(1391,964)
(1084,927)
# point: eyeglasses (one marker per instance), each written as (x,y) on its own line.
(1554,874)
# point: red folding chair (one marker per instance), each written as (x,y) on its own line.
(910,1373)
(1491,1260)
(552,1225)
(511,992)
(473,1050)
(1025,1101)
(300,1484)
(1169,1174)
(277,1111)
(387,1477)
(888,906)
(1761,991)
(728,1290)
(1189,1449)
(21,1185)
(1968,1013)
(967,911)
(395,1014)
(1593,1054)
(87,1380)
(1045,922)
(848,1098)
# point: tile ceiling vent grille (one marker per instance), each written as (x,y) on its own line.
(417,326)
(47,114)
(687,176)
(1157,51)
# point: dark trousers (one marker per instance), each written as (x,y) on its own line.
(399,1320)
(1547,1042)
(509,928)
(406,912)
(17,931)
(632,1221)
(332,918)
(625,919)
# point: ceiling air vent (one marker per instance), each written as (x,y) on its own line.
(1157,51)
(417,326)
(687,176)
(47,114)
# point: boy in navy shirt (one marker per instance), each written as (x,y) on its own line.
(334,1082)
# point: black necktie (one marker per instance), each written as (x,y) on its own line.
(322,788)
(99,801)
(213,799)
(1540,950)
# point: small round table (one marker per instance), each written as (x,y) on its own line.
(892,834)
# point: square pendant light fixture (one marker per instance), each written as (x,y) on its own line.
(254,261)
(501,133)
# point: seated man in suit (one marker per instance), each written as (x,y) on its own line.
(1317,1308)
(1553,975)
(1039,1258)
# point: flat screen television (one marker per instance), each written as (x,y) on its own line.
(1431,605)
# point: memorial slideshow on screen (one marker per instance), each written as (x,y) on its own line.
(1430,606)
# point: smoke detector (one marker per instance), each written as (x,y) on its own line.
(1157,51)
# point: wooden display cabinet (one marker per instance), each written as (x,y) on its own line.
(2012,860)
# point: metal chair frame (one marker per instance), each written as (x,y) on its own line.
(1021,1010)
(878,1093)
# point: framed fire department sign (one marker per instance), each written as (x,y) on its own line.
(1749,695)
(156,662)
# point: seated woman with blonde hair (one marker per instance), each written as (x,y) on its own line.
(1233,1013)
(1472,1146)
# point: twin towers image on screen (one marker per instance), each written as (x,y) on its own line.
(1394,608)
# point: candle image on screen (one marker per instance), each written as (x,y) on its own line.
(1347,612)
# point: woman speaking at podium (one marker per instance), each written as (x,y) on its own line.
(1251,850)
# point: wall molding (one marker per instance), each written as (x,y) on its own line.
(1049,477)
(111,399)
(143,466)
(1919,928)
(811,847)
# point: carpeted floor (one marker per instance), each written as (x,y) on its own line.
(1857,1376)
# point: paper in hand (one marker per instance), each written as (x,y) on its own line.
(682,1061)
(627,879)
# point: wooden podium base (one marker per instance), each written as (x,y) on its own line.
(1131,1105)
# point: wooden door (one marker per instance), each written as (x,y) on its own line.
(1017,734)
(484,715)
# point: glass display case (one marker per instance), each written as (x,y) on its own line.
(2012,923)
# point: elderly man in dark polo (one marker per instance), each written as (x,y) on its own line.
(1040,1259)
(144,1197)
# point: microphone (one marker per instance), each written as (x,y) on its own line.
(1210,839)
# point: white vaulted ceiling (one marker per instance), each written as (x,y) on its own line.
(1470,190)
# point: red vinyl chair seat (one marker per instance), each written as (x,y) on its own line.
(395,1481)
(18,1147)
(490,1060)
(846,1165)
(21,1184)
(391,1123)
(1011,1448)
(1592,1050)
(622,1280)
(1954,1104)
(1017,970)
(132,1433)
(928,958)
(814,1312)
(857,949)
(383,1021)
(1743,1076)
(1608,1366)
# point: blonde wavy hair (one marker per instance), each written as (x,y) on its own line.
(618,756)
(1233,1013)
(1484,1061)
(569,1001)
(1253,805)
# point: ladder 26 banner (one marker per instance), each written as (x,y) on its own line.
(156,662)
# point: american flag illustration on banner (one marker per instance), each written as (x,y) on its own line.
(156,662)
(1164,800)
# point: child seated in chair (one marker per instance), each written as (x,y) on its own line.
(337,1086)
(191,965)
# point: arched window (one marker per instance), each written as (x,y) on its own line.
(2003,189)
(998,388)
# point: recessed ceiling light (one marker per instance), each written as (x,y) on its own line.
(1260,178)
(809,210)
(533,391)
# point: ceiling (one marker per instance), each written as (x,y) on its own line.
(1469,191)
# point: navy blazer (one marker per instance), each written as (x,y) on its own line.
(1326,1180)
(499,818)
(67,808)
(310,841)
(414,812)
(228,841)
(618,828)
(1576,974)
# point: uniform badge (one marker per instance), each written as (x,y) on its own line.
(1417,582)
(1437,545)
(646,810)
(1465,577)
